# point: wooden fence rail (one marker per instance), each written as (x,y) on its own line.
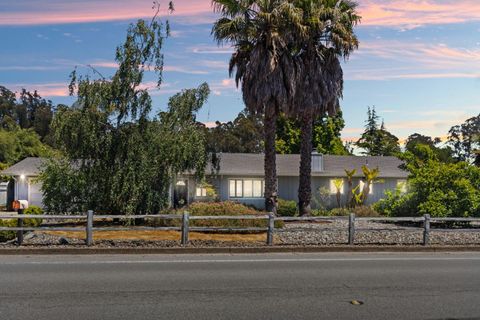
(185,226)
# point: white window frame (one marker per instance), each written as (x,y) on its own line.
(362,184)
(333,189)
(237,183)
(200,192)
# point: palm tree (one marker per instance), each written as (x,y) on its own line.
(260,32)
(328,36)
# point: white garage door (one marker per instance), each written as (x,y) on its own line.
(35,195)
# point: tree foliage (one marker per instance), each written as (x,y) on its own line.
(326,137)
(376,140)
(442,153)
(30,111)
(435,188)
(465,140)
(117,159)
(242,135)
(15,145)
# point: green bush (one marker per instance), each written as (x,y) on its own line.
(33,210)
(287,208)
(226,208)
(9,235)
(437,189)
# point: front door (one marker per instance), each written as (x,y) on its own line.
(180,194)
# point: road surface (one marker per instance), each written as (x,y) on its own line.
(263,286)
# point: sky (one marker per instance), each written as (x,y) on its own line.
(418,61)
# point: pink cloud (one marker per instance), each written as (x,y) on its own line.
(66,11)
(395,60)
(56,89)
(393,13)
(413,13)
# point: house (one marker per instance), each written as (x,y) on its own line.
(25,186)
(240,177)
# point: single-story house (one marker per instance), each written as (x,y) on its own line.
(240,177)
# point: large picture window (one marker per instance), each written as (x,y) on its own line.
(246,188)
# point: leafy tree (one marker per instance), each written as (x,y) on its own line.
(30,111)
(326,36)
(377,140)
(242,135)
(435,188)
(260,32)
(117,159)
(326,135)
(465,140)
(443,154)
(18,144)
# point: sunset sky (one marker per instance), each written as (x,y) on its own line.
(418,62)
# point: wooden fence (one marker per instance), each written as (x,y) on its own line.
(185,227)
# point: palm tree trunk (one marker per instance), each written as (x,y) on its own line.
(305,185)
(271,188)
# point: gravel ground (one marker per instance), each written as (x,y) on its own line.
(293,234)
(336,232)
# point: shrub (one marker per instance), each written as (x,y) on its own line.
(226,208)
(9,235)
(287,208)
(339,212)
(33,210)
(365,211)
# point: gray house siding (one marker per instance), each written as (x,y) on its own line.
(251,166)
(288,190)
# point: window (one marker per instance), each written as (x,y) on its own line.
(201,192)
(335,185)
(402,185)
(246,188)
(362,184)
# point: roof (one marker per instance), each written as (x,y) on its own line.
(28,167)
(243,164)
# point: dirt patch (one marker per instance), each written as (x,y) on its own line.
(159,235)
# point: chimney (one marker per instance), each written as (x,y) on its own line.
(317,161)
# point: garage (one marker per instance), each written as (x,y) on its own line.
(35,194)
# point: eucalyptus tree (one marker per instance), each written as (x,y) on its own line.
(261,32)
(327,37)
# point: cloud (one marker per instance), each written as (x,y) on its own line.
(55,89)
(390,60)
(29,12)
(410,14)
(405,14)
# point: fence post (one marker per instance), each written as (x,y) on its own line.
(426,230)
(185,227)
(20,225)
(271,228)
(89,238)
(351,229)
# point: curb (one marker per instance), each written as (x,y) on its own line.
(233,250)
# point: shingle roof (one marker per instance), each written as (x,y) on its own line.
(288,165)
(27,167)
(242,164)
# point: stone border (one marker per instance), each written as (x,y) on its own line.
(234,250)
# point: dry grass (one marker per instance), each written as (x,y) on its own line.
(158,235)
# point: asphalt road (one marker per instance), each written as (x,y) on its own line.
(266,286)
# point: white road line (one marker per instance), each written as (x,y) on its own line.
(234,261)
